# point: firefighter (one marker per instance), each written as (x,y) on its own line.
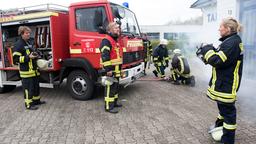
(147,52)
(25,56)
(180,70)
(161,58)
(111,60)
(227,63)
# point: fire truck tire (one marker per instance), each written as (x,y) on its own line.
(7,88)
(80,85)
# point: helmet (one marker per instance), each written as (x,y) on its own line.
(163,42)
(177,51)
(42,64)
(217,133)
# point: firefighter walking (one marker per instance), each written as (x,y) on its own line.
(161,58)
(112,61)
(227,63)
(25,57)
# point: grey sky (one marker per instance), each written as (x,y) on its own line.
(148,12)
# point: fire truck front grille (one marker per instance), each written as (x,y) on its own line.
(129,57)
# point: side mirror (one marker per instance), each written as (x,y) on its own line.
(118,13)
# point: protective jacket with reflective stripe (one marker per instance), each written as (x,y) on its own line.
(27,67)
(180,63)
(160,55)
(227,62)
(111,55)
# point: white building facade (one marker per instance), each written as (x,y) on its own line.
(243,10)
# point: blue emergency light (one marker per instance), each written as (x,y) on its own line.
(126,4)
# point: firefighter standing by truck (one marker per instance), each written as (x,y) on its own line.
(111,60)
(180,70)
(161,58)
(25,56)
(147,52)
(227,63)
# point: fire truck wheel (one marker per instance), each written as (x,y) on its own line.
(80,85)
(7,88)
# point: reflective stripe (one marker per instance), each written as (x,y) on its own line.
(208,55)
(155,58)
(214,77)
(124,49)
(229,126)
(17,53)
(116,96)
(236,78)
(108,99)
(222,56)
(27,100)
(27,74)
(241,46)
(22,59)
(36,97)
(107,63)
(117,71)
(107,96)
(181,65)
(221,94)
(167,58)
(214,97)
(105,48)
(220,117)
(116,61)
(159,64)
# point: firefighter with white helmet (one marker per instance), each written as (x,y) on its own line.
(180,70)
(161,58)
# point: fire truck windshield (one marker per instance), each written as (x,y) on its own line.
(127,19)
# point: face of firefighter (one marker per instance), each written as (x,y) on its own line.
(26,35)
(115,31)
(224,31)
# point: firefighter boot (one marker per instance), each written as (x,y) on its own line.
(218,123)
(116,104)
(31,107)
(155,73)
(110,108)
(38,102)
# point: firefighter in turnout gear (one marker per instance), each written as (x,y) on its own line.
(112,61)
(180,70)
(147,52)
(161,58)
(227,63)
(25,56)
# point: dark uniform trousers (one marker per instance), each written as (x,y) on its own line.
(111,95)
(31,90)
(227,119)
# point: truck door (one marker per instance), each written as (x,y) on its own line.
(87,32)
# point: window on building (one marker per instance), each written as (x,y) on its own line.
(153,36)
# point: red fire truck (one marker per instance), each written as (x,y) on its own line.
(69,39)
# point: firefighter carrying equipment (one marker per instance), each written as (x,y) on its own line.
(227,62)
(161,60)
(111,61)
(27,67)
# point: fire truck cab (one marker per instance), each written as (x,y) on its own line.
(69,39)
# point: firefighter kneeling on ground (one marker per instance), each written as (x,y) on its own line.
(161,58)
(180,70)
(111,60)
(25,56)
